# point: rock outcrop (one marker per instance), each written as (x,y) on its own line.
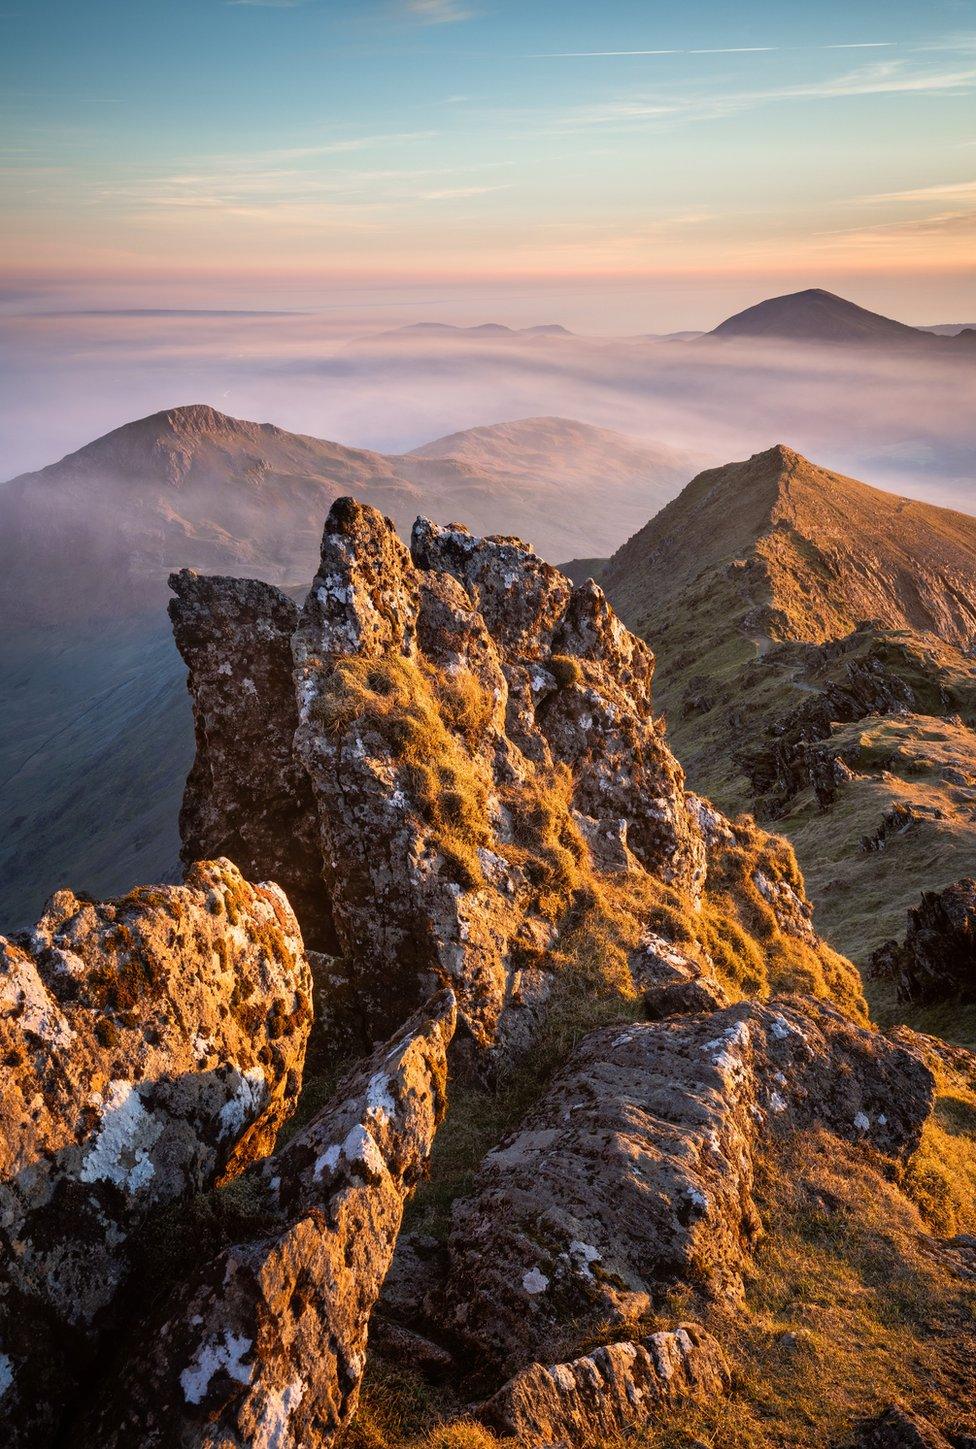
(937,959)
(266,1344)
(151,1045)
(616,1388)
(868,672)
(474,765)
(247,797)
(673,984)
(635,1170)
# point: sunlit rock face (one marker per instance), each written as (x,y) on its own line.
(617,1388)
(266,1344)
(459,714)
(152,1046)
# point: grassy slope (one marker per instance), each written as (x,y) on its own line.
(712,602)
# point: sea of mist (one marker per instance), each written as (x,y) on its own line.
(903,421)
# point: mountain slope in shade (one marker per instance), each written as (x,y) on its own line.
(100,530)
(818,316)
(858,741)
(560,456)
(95,743)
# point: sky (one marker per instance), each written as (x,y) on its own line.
(627,162)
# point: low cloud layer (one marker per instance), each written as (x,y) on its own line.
(902,422)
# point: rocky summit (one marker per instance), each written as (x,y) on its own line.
(482,1084)
(465,771)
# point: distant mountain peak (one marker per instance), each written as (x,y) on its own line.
(816,315)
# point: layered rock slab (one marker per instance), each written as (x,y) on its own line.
(635,1170)
(266,1344)
(616,1388)
(152,1045)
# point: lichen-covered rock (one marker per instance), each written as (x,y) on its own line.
(151,1045)
(937,959)
(483,770)
(266,1344)
(616,1388)
(673,983)
(248,797)
(635,1170)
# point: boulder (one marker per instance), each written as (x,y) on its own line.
(152,1045)
(672,982)
(634,1172)
(616,1388)
(265,1344)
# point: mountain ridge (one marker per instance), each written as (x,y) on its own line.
(814,639)
(778,501)
(192,486)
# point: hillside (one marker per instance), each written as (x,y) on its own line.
(99,531)
(818,316)
(755,586)
(95,744)
(819,552)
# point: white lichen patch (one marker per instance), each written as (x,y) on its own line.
(249,1096)
(22,990)
(328,1160)
(218,1352)
(563,1377)
(379,1098)
(359,1147)
(726,1050)
(272,1430)
(125,1138)
(6,1375)
(862,1121)
(535,1281)
(583,1254)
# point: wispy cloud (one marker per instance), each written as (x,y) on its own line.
(894,77)
(600,54)
(438,12)
(950,190)
(457,193)
(708,50)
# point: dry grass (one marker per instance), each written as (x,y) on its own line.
(408,707)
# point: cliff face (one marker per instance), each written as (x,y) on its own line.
(475,776)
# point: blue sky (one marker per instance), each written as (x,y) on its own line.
(412,140)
